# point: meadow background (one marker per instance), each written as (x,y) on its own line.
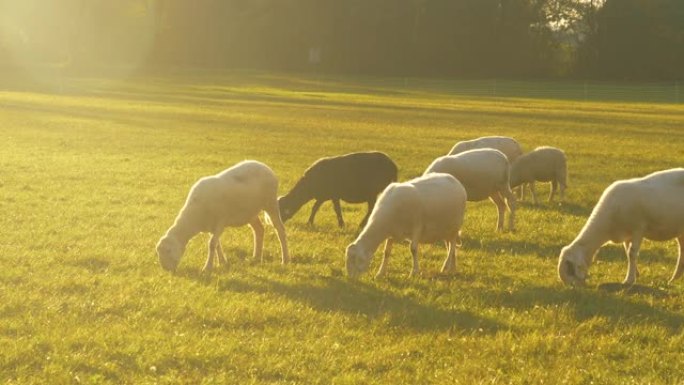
(93,172)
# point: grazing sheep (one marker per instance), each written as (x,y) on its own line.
(429,208)
(485,174)
(651,207)
(231,198)
(509,146)
(544,164)
(355,178)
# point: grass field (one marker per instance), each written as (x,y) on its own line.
(93,175)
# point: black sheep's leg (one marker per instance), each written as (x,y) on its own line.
(371,204)
(338,212)
(314,210)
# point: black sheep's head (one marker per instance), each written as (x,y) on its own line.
(515,177)
(286,207)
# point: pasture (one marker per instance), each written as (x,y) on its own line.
(94,172)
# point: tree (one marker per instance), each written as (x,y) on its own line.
(640,39)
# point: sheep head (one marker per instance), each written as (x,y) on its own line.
(357,260)
(573,266)
(515,179)
(286,208)
(170,252)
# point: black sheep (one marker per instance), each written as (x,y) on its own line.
(355,178)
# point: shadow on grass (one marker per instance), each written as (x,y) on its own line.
(255,99)
(511,246)
(589,303)
(565,207)
(334,294)
(91,264)
(608,253)
(636,289)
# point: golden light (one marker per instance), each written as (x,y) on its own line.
(51,40)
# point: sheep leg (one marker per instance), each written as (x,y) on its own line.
(382,271)
(371,204)
(501,208)
(534,193)
(627,245)
(679,269)
(338,212)
(449,266)
(632,253)
(213,242)
(414,253)
(511,204)
(274,213)
(505,199)
(258,231)
(314,210)
(554,187)
(219,253)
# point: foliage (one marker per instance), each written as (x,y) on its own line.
(641,39)
(631,39)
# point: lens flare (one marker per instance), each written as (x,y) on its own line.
(49,42)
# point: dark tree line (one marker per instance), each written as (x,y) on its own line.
(625,39)
(637,39)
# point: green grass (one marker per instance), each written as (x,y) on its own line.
(92,176)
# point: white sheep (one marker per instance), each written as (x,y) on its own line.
(544,164)
(509,146)
(429,208)
(630,210)
(232,198)
(485,174)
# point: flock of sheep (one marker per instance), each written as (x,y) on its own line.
(429,208)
